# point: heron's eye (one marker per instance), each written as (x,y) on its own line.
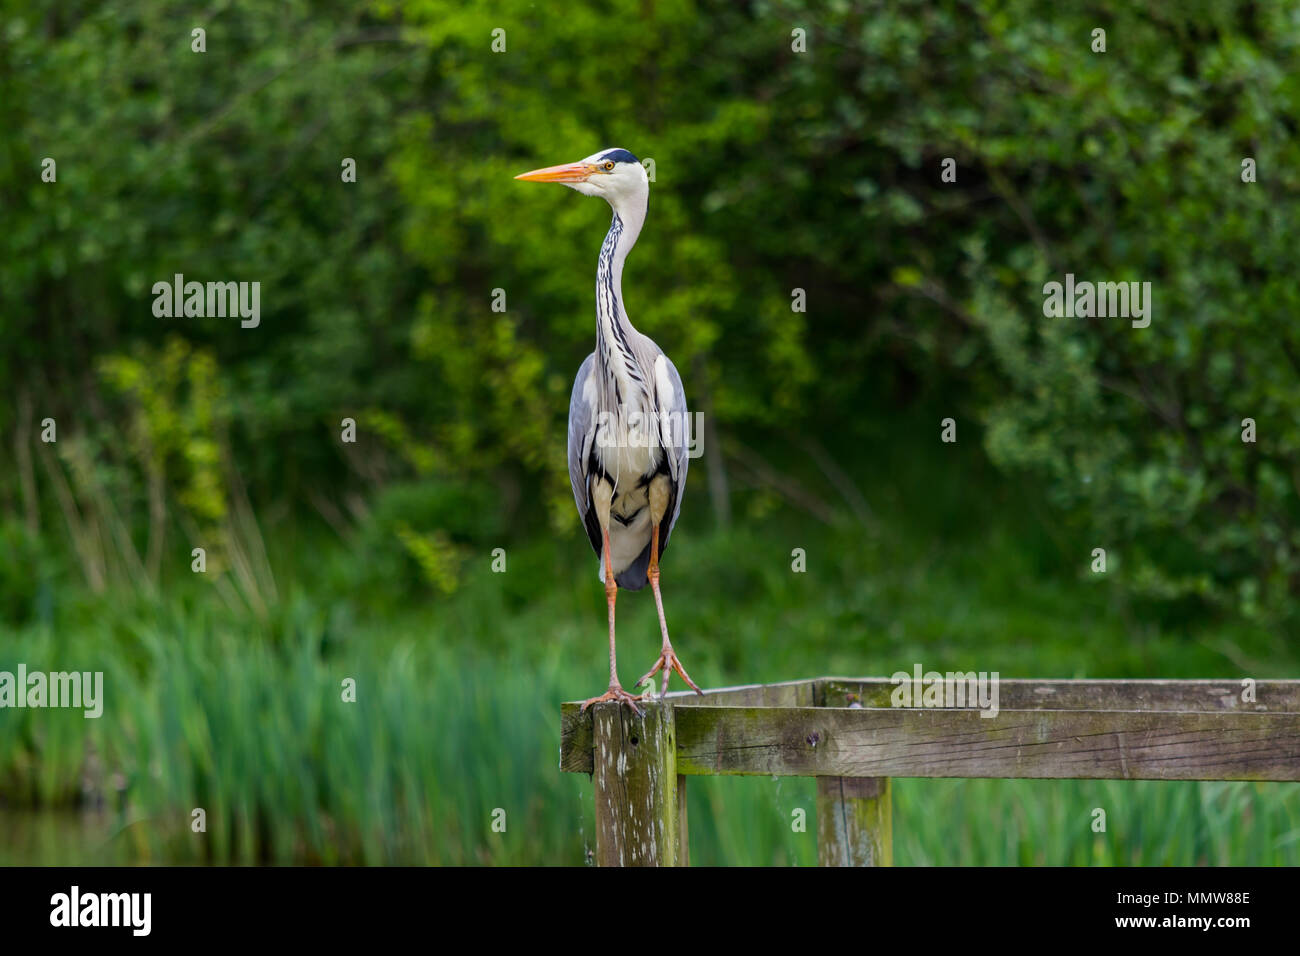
(609,164)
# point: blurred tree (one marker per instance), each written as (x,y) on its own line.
(775,170)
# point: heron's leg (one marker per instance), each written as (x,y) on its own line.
(602,496)
(668,661)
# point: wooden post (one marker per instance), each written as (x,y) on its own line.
(854,814)
(854,825)
(634,775)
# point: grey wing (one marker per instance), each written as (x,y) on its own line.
(675,439)
(582,436)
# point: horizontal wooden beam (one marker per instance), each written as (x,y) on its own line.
(1097,729)
(1265,696)
(575,728)
(791,693)
(897,742)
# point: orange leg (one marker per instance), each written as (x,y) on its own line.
(616,691)
(668,661)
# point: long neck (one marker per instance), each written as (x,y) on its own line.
(614,332)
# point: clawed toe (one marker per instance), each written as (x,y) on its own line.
(668,663)
(617,693)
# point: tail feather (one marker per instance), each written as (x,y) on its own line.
(636,574)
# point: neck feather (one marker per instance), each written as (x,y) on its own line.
(614,331)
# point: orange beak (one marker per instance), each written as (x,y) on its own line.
(566,173)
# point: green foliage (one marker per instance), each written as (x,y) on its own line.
(28,568)
(1141,429)
(774,170)
(171,428)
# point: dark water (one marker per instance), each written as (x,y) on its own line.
(62,838)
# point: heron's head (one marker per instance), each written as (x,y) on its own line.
(614,174)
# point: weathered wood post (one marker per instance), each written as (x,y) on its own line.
(639,821)
(854,822)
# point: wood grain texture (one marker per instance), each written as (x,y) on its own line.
(575,727)
(1211,696)
(1157,729)
(635,784)
(791,693)
(854,822)
(895,742)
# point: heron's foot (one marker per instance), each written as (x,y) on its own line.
(668,663)
(617,693)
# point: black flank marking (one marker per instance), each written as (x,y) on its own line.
(592,525)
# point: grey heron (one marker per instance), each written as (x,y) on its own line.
(627,417)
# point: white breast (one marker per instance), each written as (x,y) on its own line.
(627,445)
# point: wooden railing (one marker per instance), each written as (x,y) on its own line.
(845,733)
